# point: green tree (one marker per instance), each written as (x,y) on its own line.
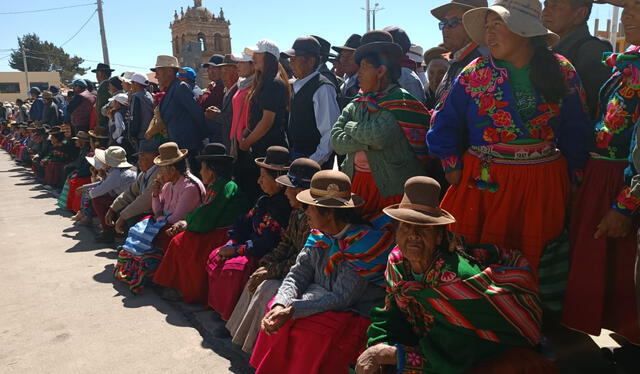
(45,56)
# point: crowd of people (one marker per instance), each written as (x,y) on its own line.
(402,211)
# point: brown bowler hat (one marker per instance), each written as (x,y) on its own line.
(277,158)
(170,153)
(420,204)
(99,133)
(330,189)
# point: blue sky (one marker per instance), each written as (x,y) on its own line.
(138,30)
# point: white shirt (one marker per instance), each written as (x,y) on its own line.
(326,111)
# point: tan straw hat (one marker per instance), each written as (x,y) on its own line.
(522,17)
(441,11)
(165,61)
(330,189)
(170,154)
(114,156)
(420,204)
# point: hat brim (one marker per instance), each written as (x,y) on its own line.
(158,67)
(305,197)
(475,19)
(441,11)
(417,217)
(97,70)
(160,162)
(94,135)
(390,48)
(260,162)
(100,155)
(285,181)
(77,138)
(92,161)
(214,157)
(341,48)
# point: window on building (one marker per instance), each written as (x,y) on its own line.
(41,85)
(202,42)
(12,87)
(217,42)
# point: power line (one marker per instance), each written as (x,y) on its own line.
(46,10)
(126,66)
(81,27)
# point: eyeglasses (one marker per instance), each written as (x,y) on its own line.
(451,23)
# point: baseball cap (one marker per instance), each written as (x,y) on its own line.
(140,79)
(264,46)
(126,76)
(304,46)
(187,72)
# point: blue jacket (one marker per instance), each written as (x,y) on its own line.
(183,117)
(37,109)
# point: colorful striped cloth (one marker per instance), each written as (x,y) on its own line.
(136,271)
(64,195)
(362,247)
(460,312)
(141,235)
(412,116)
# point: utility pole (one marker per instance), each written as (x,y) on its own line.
(367,11)
(613,36)
(103,35)
(24,62)
(374,11)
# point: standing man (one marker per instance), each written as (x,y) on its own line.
(346,53)
(141,108)
(456,40)
(50,114)
(215,92)
(37,107)
(61,102)
(408,80)
(314,106)
(103,73)
(181,114)
(80,107)
(568,18)
(219,118)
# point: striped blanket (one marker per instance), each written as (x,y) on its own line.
(140,239)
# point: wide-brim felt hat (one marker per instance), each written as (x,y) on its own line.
(214,151)
(169,154)
(522,17)
(441,11)
(350,45)
(102,67)
(277,158)
(420,204)
(300,173)
(82,135)
(330,189)
(378,41)
(99,133)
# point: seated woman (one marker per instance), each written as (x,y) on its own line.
(78,169)
(175,193)
(253,235)
(244,323)
(382,131)
(183,267)
(317,322)
(119,177)
(61,153)
(448,311)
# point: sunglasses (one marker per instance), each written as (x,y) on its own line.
(451,23)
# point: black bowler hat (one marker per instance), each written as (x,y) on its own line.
(277,159)
(102,67)
(148,146)
(214,60)
(214,151)
(400,37)
(351,45)
(325,46)
(300,173)
(378,41)
(304,46)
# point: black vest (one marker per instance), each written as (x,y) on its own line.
(302,131)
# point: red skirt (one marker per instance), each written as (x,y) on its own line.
(53,173)
(183,266)
(324,343)
(525,213)
(364,186)
(227,280)
(601,291)
(73,200)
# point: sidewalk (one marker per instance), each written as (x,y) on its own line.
(61,312)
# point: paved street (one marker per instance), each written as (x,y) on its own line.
(60,311)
